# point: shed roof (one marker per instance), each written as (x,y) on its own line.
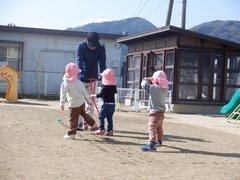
(167,31)
(17,29)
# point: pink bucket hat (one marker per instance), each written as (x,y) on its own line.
(160,78)
(108,77)
(72,71)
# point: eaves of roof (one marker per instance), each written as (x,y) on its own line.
(16,29)
(167,31)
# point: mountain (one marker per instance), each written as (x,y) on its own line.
(126,26)
(228,30)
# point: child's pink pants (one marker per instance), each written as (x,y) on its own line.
(155,126)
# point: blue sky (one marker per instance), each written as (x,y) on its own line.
(62,14)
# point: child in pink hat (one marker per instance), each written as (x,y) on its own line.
(74,91)
(157,88)
(108,107)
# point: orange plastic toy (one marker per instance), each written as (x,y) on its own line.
(11,75)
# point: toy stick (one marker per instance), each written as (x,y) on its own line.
(92,91)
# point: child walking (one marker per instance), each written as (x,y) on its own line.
(108,107)
(74,91)
(157,87)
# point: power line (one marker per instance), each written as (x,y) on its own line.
(138,8)
(156,9)
(142,8)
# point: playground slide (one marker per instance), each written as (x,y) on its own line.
(233,103)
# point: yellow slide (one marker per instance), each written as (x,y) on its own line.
(11,75)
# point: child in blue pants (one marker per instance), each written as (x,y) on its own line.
(108,107)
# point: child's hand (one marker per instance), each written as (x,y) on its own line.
(149,79)
(62,108)
(93,95)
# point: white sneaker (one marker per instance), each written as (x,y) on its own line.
(69,136)
(80,128)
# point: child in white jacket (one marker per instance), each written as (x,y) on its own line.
(74,91)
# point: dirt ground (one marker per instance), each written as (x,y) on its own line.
(194,146)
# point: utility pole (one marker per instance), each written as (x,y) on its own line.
(183,13)
(169,14)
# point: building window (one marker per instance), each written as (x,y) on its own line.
(218,75)
(11,55)
(144,66)
(169,59)
(133,74)
(232,76)
(158,63)
(188,77)
(188,92)
(205,76)
(200,76)
(189,59)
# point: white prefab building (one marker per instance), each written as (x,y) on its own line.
(40,55)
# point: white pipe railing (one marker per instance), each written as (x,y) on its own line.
(136,98)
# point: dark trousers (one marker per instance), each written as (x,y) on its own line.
(107,111)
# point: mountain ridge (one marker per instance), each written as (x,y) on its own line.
(226,30)
(127,26)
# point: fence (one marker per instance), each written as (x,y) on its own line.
(136,99)
(41,83)
(38,83)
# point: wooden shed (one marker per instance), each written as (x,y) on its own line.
(203,71)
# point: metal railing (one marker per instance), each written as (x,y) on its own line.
(42,83)
(136,99)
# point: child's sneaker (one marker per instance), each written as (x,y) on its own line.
(85,127)
(69,136)
(80,128)
(109,133)
(149,147)
(99,132)
(158,143)
(94,127)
